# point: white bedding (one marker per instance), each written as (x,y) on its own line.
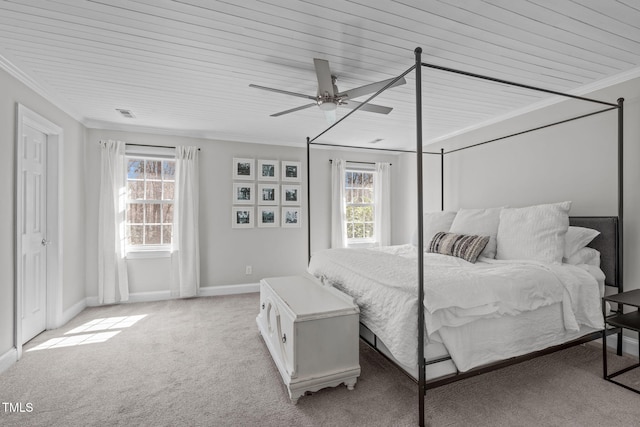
(457,293)
(491,340)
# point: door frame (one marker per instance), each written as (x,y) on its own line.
(26,116)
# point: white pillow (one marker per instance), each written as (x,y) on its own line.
(585,255)
(479,222)
(433,222)
(533,233)
(577,238)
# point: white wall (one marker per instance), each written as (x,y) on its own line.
(224,251)
(553,164)
(12,92)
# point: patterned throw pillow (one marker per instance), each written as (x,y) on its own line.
(458,245)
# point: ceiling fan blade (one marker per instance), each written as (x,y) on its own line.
(323,73)
(372,108)
(293,109)
(285,92)
(368,89)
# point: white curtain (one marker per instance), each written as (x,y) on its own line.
(113,284)
(338,210)
(382,200)
(185,221)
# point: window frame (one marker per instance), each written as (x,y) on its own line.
(148,154)
(364,241)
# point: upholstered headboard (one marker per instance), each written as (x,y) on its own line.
(607,243)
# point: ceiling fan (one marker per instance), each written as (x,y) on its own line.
(329,98)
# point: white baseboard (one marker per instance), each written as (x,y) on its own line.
(629,345)
(72,312)
(136,297)
(8,359)
(92,301)
(207,291)
(212,291)
(149,296)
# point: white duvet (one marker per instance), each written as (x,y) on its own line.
(384,285)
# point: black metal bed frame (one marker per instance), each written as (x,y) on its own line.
(417,67)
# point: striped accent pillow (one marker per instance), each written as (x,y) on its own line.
(458,245)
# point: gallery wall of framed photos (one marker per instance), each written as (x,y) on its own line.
(266,193)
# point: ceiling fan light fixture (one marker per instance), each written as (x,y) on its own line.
(327,106)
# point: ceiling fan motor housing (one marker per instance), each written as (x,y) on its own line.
(327,102)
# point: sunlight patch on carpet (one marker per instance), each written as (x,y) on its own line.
(107,323)
(88,332)
(75,340)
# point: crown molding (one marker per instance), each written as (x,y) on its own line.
(25,79)
(197,134)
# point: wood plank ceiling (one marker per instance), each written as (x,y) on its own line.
(184,67)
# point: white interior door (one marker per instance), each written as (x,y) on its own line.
(33,237)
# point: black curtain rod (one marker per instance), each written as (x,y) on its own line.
(533,129)
(154,146)
(361,163)
(507,82)
(150,145)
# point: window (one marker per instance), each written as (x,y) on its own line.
(359,204)
(150,190)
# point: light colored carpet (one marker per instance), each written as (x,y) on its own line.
(201,362)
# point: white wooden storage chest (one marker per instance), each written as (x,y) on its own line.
(311,331)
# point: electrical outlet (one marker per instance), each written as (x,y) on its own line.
(248,270)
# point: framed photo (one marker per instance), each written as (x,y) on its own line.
(268,216)
(291,171)
(291,217)
(291,195)
(243,168)
(242,217)
(243,194)
(267,170)
(268,194)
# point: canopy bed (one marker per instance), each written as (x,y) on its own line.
(527,294)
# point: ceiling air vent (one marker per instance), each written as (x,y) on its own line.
(126,113)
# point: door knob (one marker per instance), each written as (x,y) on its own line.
(45,242)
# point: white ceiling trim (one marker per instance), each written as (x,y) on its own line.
(23,78)
(196,134)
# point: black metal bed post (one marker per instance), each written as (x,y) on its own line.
(442,179)
(619,279)
(308,205)
(421,364)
